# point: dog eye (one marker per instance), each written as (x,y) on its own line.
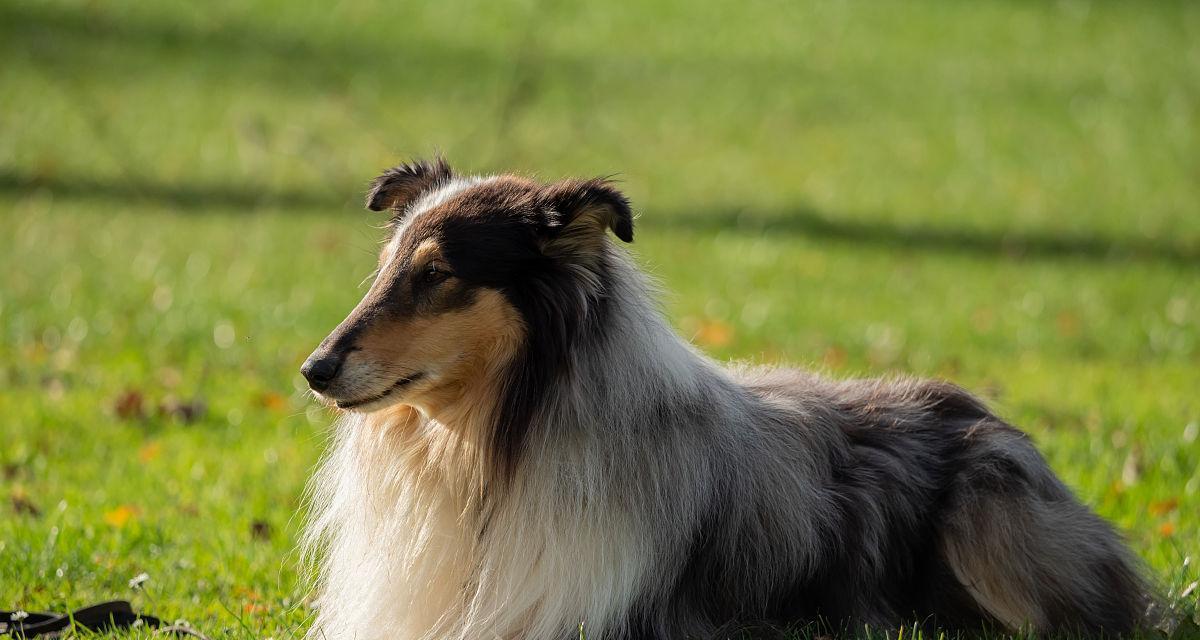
(433,274)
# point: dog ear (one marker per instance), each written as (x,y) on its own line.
(399,186)
(582,208)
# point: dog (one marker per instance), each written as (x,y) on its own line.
(527,450)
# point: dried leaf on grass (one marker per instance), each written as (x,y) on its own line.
(261,530)
(149,451)
(22,505)
(1163,507)
(130,405)
(186,411)
(121,516)
(273,401)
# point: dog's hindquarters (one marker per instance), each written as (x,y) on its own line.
(1009,543)
(1028,552)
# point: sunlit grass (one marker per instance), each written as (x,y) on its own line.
(999,193)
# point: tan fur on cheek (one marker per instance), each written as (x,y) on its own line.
(487,335)
(461,350)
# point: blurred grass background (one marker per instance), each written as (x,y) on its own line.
(1003,193)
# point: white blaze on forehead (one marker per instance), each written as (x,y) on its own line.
(426,202)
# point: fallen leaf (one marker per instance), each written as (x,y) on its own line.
(260,530)
(1163,507)
(714,334)
(23,505)
(834,357)
(247,593)
(149,451)
(186,411)
(273,401)
(120,516)
(128,405)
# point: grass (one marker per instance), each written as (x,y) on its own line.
(1001,193)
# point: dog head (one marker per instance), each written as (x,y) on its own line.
(468,261)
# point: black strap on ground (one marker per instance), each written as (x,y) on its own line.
(105,616)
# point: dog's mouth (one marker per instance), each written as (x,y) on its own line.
(402,382)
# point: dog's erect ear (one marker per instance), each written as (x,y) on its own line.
(583,206)
(399,186)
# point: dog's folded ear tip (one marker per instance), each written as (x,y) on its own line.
(401,184)
(375,202)
(594,200)
(621,217)
(624,231)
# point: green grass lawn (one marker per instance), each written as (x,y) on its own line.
(1006,194)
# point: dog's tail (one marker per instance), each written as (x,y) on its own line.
(1030,554)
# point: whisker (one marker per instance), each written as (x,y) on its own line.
(370,276)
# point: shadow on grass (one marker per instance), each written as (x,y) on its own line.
(414,55)
(182,198)
(120,47)
(799,221)
(811,223)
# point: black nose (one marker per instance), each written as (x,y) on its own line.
(321,369)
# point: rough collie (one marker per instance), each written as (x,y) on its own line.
(527,450)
